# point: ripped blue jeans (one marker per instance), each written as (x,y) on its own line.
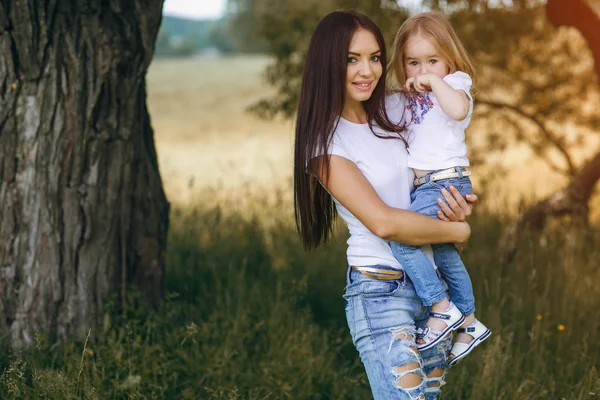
(383,316)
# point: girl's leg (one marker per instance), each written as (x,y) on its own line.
(455,274)
(461,294)
(421,273)
(419,267)
(381,319)
(461,290)
(415,262)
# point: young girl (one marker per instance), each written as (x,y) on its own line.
(430,62)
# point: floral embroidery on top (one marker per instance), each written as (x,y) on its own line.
(418,104)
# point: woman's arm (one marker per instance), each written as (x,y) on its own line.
(350,187)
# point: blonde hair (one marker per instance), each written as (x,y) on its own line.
(435,27)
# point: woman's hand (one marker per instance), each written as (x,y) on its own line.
(456,208)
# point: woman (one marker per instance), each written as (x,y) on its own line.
(350,158)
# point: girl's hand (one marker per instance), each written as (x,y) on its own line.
(421,83)
(456,208)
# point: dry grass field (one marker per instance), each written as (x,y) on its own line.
(204,137)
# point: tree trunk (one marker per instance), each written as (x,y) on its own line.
(572,200)
(83,210)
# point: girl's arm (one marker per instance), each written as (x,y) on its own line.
(350,187)
(454,102)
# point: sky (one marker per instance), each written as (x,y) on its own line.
(197,9)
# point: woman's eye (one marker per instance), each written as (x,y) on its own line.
(375,58)
(413,63)
(351,60)
(433,61)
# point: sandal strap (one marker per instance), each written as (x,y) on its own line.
(425,333)
(476,328)
(440,315)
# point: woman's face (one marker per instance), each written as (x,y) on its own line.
(422,57)
(364,66)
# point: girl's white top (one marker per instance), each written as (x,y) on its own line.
(436,141)
(383,163)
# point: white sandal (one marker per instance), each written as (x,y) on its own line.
(453,319)
(479,333)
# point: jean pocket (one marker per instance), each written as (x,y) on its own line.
(375,287)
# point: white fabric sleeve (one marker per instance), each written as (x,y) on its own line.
(460,81)
(395,106)
(337,147)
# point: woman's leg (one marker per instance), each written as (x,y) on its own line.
(381,319)
(434,360)
(435,367)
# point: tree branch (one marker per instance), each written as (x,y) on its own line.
(541,126)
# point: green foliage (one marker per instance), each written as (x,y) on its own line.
(180,37)
(243,26)
(249,315)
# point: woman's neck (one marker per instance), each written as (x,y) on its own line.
(355,112)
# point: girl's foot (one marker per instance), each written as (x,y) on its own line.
(439,325)
(463,337)
(468,338)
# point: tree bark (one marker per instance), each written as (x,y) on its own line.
(83,210)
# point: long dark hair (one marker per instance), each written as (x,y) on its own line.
(321,103)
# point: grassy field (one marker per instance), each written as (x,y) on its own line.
(249,315)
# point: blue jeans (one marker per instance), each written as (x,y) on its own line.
(383,317)
(418,266)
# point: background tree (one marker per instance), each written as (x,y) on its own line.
(241,24)
(83,211)
(540,89)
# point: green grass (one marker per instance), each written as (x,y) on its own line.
(249,315)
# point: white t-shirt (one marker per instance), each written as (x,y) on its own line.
(436,141)
(383,163)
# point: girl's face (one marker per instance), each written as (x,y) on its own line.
(422,57)
(364,66)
